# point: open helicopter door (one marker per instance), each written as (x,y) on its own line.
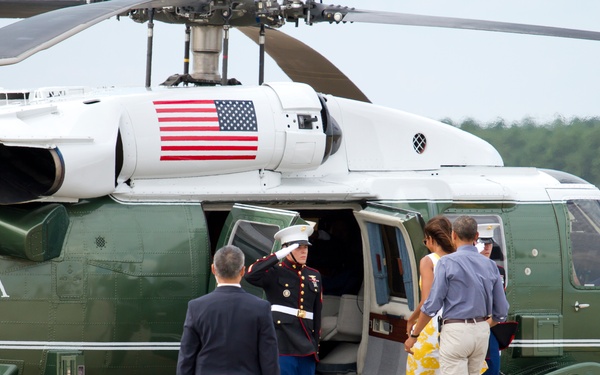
(251,228)
(392,242)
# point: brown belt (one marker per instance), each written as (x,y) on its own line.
(471,320)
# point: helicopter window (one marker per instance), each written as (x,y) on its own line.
(584,217)
(256,241)
(255,238)
(387,263)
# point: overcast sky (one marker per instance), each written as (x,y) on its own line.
(432,72)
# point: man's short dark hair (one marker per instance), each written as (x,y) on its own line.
(465,228)
(228,261)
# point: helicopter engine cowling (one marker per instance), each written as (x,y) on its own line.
(82,147)
(221,130)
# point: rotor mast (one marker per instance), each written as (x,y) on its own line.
(206,48)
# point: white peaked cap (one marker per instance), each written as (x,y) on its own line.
(295,234)
(486,232)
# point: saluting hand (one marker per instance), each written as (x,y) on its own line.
(285,251)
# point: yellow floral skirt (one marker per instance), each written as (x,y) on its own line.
(425,360)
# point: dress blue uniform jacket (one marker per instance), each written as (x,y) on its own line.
(296,286)
(228,332)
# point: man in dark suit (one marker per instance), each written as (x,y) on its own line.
(228,331)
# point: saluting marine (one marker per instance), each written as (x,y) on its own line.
(296,296)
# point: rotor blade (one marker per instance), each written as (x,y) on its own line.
(303,64)
(24,38)
(367,16)
(28,8)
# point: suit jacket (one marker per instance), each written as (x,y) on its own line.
(228,332)
(296,286)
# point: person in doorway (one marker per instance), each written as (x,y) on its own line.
(485,244)
(468,288)
(228,331)
(296,296)
(438,240)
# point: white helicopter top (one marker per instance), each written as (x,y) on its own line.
(270,141)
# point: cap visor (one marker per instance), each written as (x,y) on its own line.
(300,242)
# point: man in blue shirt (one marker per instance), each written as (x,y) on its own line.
(469,289)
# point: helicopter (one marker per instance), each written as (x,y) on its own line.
(113,201)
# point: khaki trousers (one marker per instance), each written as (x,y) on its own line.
(463,347)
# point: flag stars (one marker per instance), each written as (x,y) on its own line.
(236,115)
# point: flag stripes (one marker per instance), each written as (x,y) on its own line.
(207,129)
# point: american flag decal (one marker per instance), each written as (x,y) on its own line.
(207,129)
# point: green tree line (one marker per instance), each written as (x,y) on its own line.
(569,145)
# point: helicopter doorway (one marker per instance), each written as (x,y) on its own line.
(336,252)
